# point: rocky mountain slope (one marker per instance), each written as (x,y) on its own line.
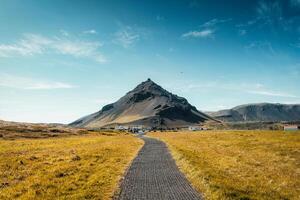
(266,112)
(149,105)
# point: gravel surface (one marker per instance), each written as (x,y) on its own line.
(154,175)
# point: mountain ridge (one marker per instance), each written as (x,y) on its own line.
(265,112)
(147,104)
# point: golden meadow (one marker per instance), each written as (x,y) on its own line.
(238,164)
(85,166)
(89,165)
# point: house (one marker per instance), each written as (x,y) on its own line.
(141,132)
(290,127)
(136,128)
(195,128)
(121,128)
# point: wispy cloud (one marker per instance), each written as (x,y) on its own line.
(26,83)
(207,33)
(271,93)
(207,29)
(33,44)
(272,14)
(263,46)
(248,23)
(127,36)
(214,22)
(251,88)
(92,31)
(269,10)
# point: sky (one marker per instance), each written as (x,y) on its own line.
(62,59)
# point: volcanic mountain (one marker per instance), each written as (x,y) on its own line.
(267,112)
(149,105)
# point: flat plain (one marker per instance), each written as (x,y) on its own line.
(238,164)
(79,166)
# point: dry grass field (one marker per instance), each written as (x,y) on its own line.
(78,166)
(238,164)
(15,130)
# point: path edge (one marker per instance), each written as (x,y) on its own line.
(118,190)
(179,169)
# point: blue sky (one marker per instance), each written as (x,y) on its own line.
(60,60)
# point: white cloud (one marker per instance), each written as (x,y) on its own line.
(32,44)
(251,88)
(206,33)
(126,36)
(248,23)
(271,93)
(207,30)
(271,14)
(92,31)
(18,82)
(271,9)
(263,46)
(80,49)
(214,22)
(29,45)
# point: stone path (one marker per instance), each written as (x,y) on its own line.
(154,175)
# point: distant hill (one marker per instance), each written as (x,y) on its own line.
(265,112)
(149,105)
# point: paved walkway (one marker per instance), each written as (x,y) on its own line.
(154,175)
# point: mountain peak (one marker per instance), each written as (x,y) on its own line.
(149,82)
(148,104)
(149,86)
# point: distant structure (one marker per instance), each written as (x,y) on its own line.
(196,128)
(138,129)
(121,128)
(290,127)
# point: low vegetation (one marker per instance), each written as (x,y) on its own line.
(14,130)
(81,165)
(238,164)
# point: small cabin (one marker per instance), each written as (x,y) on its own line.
(121,128)
(137,128)
(195,128)
(290,127)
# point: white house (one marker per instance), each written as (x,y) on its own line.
(290,127)
(120,127)
(137,128)
(195,128)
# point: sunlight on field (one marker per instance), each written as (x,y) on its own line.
(238,164)
(75,167)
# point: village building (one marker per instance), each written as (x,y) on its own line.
(195,128)
(290,127)
(121,128)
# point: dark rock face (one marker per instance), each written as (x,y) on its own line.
(148,104)
(265,112)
